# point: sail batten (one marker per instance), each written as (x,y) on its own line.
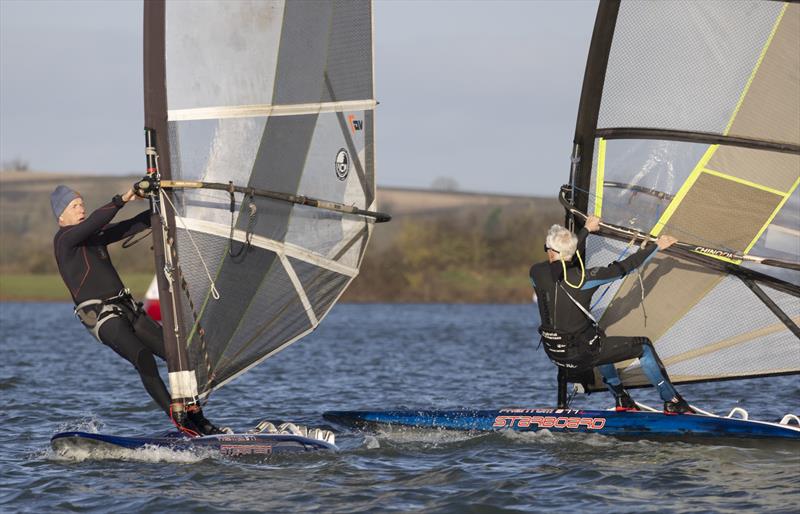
(253,111)
(690,136)
(689,125)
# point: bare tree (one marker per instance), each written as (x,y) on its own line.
(15,165)
(445,184)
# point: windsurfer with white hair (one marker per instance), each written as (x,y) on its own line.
(103,304)
(570,334)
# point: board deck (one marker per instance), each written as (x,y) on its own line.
(230,445)
(640,424)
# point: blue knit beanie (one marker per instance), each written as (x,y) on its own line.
(60,199)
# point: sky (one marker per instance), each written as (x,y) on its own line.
(482,93)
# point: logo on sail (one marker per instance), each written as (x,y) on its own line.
(342,164)
(355,124)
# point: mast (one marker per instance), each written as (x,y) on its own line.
(589,106)
(182,382)
(583,143)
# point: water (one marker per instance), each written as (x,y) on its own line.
(55,377)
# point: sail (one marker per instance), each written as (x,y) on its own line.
(689,125)
(263,106)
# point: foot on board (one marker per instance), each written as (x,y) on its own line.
(204,426)
(625,403)
(677,406)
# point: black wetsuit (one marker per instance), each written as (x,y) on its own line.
(559,314)
(85,266)
(572,340)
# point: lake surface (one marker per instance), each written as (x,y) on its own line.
(55,377)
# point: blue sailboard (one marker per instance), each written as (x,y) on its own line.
(639,424)
(228,445)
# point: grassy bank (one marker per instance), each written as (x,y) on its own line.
(446,247)
(49,287)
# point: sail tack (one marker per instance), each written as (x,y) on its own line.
(275,96)
(689,125)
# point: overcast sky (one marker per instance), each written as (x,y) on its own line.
(485,93)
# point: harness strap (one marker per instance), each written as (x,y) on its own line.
(557,343)
(94,313)
(581,307)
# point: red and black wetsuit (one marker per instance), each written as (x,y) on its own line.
(86,268)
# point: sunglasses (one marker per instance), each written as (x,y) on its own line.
(548,248)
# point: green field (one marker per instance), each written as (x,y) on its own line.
(49,287)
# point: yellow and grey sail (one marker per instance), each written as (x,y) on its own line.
(689,125)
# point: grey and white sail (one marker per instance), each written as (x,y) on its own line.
(273,96)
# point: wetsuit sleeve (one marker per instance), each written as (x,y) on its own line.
(98,219)
(596,277)
(127,228)
(582,235)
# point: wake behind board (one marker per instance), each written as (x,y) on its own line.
(229,445)
(639,424)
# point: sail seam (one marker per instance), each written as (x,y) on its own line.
(698,169)
(744,182)
(289,249)
(729,342)
(755,70)
(772,217)
(684,190)
(228,360)
(298,286)
(281,347)
(772,306)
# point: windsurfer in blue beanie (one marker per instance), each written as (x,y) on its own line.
(103,304)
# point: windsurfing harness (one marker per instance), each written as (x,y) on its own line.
(94,313)
(569,333)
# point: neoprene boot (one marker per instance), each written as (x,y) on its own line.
(182,420)
(625,402)
(204,426)
(677,405)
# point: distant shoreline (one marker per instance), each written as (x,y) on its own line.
(48,287)
(15,288)
(42,176)
(441,246)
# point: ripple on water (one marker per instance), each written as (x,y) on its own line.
(399,356)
